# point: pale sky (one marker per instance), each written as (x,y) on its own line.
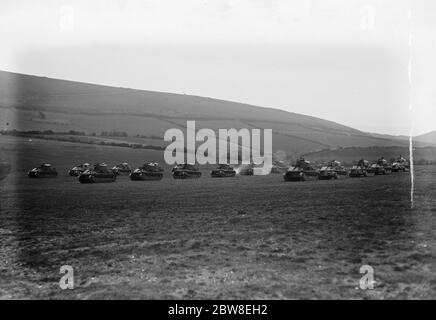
(341,60)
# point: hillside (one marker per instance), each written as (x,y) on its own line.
(427,138)
(40,103)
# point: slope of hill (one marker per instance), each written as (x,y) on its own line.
(429,137)
(40,103)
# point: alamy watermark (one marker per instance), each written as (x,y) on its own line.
(367,281)
(67,280)
(245,147)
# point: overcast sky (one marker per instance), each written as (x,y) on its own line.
(341,60)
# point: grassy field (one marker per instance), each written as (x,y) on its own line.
(243,237)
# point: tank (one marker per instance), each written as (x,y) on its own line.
(246,170)
(400,164)
(77,170)
(382,167)
(99,174)
(362,169)
(45,170)
(301,171)
(148,171)
(377,169)
(122,169)
(338,168)
(327,173)
(223,171)
(186,171)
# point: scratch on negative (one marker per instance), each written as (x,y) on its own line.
(412,176)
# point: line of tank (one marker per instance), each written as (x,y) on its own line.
(302,170)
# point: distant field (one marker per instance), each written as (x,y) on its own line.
(26,153)
(243,237)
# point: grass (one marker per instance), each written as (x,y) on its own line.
(236,238)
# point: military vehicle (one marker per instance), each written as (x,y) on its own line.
(382,167)
(99,174)
(45,170)
(122,169)
(186,171)
(327,173)
(223,171)
(301,171)
(338,168)
(362,169)
(148,171)
(77,170)
(377,169)
(400,164)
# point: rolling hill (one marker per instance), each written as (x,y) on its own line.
(427,138)
(39,103)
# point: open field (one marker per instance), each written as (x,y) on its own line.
(242,237)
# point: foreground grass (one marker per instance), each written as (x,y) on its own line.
(243,237)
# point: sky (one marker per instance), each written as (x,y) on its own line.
(346,61)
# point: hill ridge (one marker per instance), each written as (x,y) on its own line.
(94,108)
